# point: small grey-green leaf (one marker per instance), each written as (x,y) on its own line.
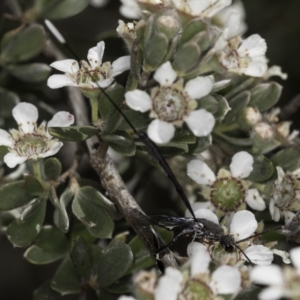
(13,195)
(25,229)
(61,218)
(237,104)
(20,45)
(265,95)
(81,257)
(191,29)
(202,143)
(38,256)
(44,292)
(66,279)
(95,217)
(35,72)
(263,169)
(8,100)
(115,260)
(32,185)
(73,133)
(49,9)
(122,143)
(288,159)
(52,168)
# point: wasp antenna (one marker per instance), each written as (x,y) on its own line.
(258,234)
(248,259)
(60,38)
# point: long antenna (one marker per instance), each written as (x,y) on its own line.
(154,150)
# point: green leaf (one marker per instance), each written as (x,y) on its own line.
(121,142)
(66,279)
(54,9)
(187,57)
(265,95)
(35,72)
(32,185)
(61,218)
(52,168)
(13,195)
(115,260)
(106,108)
(23,231)
(263,169)
(21,45)
(237,104)
(191,29)
(44,292)
(121,286)
(223,107)
(73,133)
(81,257)
(287,159)
(202,143)
(8,100)
(92,213)
(137,119)
(157,47)
(183,136)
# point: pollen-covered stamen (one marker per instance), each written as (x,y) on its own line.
(227,193)
(31,145)
(170,104)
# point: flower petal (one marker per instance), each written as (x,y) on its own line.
(272,293)
(254,200)
(12,159)
(138,100)
(200,258)
(295,257)
(254,45)
(61,119)
(104,83)
(201,122)
(53,150)
(165,74)
(207,214)
(243,224)
(120,65)
(95,55)
(200,205)
(160,132)
(259,255)
(26,115)
(169,285)
(225,280)
(200,172)
(257,67)
(58,81)
(241,164)
(199,87)
(267,275)
(66,65)
(6,139)
(274,211)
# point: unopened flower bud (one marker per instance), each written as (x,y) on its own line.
(262,134)
(249,117)
(169,25)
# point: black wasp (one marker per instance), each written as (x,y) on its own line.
(199,229)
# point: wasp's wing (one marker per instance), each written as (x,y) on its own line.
(171,223)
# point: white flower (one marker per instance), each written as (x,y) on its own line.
(242,56)
(227,190)
(243,226)
(224,280)
(233,16)
(171,104)
(169,285)
(88,76)
(30,141)
(203,8)
(282,282)
(130,9)
(285,195)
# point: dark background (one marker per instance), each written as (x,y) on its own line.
(277,21)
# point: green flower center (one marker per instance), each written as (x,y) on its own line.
(196,289)
(170,104)
(227,193)
(31,145)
